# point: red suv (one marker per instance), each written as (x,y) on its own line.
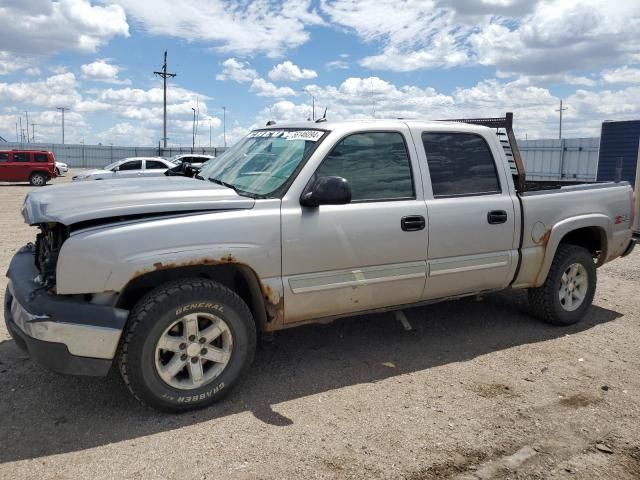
(35,167)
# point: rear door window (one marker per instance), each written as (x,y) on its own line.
(41,157)
(460,164)
(155,165)
(21,157)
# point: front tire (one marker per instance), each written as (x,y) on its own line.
(186,345)
(38,179)
(568,291)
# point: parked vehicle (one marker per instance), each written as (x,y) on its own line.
(61,169)
(195,160)
(127,168)
(35,167)
(173,278)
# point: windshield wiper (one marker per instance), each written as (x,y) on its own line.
(229,185)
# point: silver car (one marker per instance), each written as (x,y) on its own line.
(127,168)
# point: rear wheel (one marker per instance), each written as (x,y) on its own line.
(568,291)
(38,179)
(187,343)
(57,172)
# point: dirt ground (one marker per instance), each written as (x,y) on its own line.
(478,390)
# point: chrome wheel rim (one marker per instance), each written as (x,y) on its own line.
(38,180)
(573,287)
(193,351)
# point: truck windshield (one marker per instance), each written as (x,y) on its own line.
(263,161)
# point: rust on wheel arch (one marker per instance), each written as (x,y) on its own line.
(273,303)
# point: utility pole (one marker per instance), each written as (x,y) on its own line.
(21,130)
(17,138)
(313,103)
(27,115)
(209,133)
(164,76)
(33,132)
(62,109)
(224,126)
(560,110)
(193,130)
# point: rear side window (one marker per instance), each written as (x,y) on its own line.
(4,157)
(460,164)
(41,157)
(376,164)
(133,165)
(154,165)
(21,157)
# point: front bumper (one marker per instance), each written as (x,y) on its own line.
(64,334)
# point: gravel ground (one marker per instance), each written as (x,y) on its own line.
(478,390)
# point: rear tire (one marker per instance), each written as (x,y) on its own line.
(187,343)
(38,179)
(568,291)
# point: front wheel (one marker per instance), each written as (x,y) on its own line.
(568,291)
(186,344)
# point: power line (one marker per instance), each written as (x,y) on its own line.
(164,76)
(62,109)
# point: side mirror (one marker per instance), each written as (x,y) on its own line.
(327,191)
(115,169)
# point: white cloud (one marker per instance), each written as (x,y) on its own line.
(102,71)
(262,88)
(57,90)
(534,107)
(621,75)
(235,26)
(11,63)
(337,65)
(526,37)
(237,71)
(43,27)
(290,72)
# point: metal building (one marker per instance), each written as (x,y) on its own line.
(619,151)
(569,159)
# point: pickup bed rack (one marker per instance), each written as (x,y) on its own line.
(504,130)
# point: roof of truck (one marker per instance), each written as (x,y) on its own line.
(382,122)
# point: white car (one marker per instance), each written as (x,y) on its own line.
(128,168)
(61,168)
(195,160)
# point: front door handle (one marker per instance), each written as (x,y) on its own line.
(495,217)
(412,223)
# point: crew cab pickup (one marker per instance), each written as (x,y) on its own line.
(173,278)
(35,167)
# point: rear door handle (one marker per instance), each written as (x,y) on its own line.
(412,223)
(494,217)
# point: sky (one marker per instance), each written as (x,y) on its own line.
(266,60)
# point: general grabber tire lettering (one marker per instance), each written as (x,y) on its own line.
(568,291)
(186,344)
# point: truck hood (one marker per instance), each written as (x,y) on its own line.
(82,201)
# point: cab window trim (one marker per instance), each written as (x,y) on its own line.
(372,200)
(500,190)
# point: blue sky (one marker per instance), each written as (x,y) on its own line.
(360,59)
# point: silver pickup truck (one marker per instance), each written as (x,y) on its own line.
(174,278)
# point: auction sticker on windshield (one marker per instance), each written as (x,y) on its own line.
(312,135)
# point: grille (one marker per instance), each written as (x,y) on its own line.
(48,243)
